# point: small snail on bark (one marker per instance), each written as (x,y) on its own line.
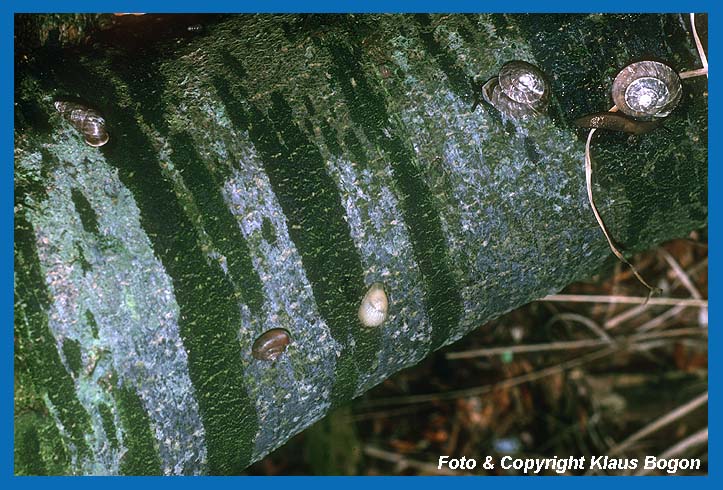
(645,92)
(374,307)
(521,90)
(271,344)
(88,121)
(647,89)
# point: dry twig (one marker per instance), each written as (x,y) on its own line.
(589,323)
(479,390)
(701,53)
(588,182)
(636,310)
(682,276)
(694,440)
(629,340)
(598,298)
(666,419)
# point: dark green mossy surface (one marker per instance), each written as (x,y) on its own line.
(141,459)
(36,352)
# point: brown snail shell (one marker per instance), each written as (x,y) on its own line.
(520,90)
(89,122)
(523,82)
(271,344)
(647,89)
(374,307)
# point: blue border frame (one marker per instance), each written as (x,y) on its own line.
(8,8)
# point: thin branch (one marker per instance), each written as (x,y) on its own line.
(666,419)
(634,311)
(572,344)
(479,390)
(699,45)
(660,320)
(588,182)
(384,414)
(625,315)
(701,52)
(693,73)
(700,437)
(676,332)
(589,323)
(694,440)
(595,298)
(680,273)
(517,349)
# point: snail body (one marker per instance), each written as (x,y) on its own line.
(614,121)
(89,122)
(374,307)
(271,344)
(521,90)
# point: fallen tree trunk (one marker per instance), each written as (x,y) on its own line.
(262,172)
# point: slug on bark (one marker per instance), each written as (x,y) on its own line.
(614,121)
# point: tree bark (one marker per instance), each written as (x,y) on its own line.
(262,172)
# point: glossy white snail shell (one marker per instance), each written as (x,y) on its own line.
(647,89)
(89,122)
(374,307)
(520,90)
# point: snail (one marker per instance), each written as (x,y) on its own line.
(271,344)
(645,92)
(520,90)
(374,307)
(647,89)
(88,121)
